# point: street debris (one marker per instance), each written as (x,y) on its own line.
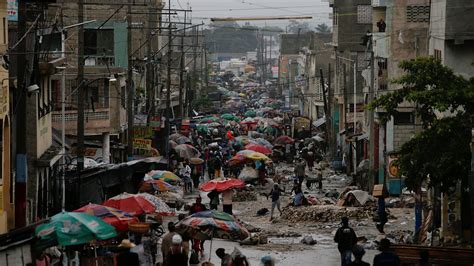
(324,213)
(244,195)
(308,240)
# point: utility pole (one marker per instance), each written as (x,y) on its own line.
(149,68)
(21,162)
(130,86)
(181,72)
(325,101)
(80,91)
(345,95)
(168,83)
(372,172)
(195,44)
(329,119)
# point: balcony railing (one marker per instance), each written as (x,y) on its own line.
(380,41)
(379,3)
(100,60)
(72,116)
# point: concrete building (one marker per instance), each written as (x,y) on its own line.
(7,203)
(106,62)
(317,56)
(405,36)
(451,39)
(352,20)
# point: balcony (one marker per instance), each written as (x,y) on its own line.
(381,43)
(99,61)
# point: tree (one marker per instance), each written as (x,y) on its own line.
(295,26)
(323,28)
(444,102)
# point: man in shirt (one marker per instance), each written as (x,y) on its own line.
(346,239)
(386,257)
(226,259)
(166,242)
(275,194)
(197,206)
(300,168)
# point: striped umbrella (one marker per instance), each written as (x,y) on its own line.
(160,206)
(156,185)
(131,203)
(167,176)
(210,224)
(115,217)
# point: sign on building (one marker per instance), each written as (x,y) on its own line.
(12,9)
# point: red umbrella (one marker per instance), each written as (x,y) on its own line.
(258,148)
(283,140)
(131,203)
(238,159)
(117,218)
(222,184)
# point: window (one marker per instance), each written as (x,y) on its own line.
(404,118)
(97,96)
(418,14)
(56,94)
(364,14)
(99,42)
(438,55)
(52,43)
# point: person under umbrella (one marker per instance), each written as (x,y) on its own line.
(225,257)
(197,206)
(166,241)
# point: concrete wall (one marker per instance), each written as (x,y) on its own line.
(408,40)
(347,33)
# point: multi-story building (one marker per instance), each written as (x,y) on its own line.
(400,32)
(451,39)
(7,203)
(352,21)
(106,61)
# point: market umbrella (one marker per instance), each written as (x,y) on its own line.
(115,217)
(258,148)
(131,203)
(196,161)
(257,156)
(175,136)
(264,142)
(214,124)
(209,119)
(156,185)
(222,184)
(172,143)
(250,113)
(187,151)
(238,159)
(229,117)
(183,139)
(210,224)
(72,228)
(167,176)
(160,206)
(282,140)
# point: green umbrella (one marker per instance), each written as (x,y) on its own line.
(72,228)
(228,117)
(250,113)
(202,128)
(209,119)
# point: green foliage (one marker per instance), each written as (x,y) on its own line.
(441,151)
(296,26)
(323,28)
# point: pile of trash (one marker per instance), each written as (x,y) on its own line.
(401,236)
(324,213)
(244,195)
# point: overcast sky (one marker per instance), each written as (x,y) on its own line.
(205,9)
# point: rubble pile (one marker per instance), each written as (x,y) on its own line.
(324,213)
(244,195)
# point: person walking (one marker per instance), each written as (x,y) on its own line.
(275,193)
(197,206)
(386,257)
(358,252)
(226,259)
(346,239)
(166,242)
(300,169)
(176,255)
(227,201)
(382,214)
(196,174)
(214,199)
(217,166)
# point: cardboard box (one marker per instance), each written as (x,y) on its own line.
(379,191)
